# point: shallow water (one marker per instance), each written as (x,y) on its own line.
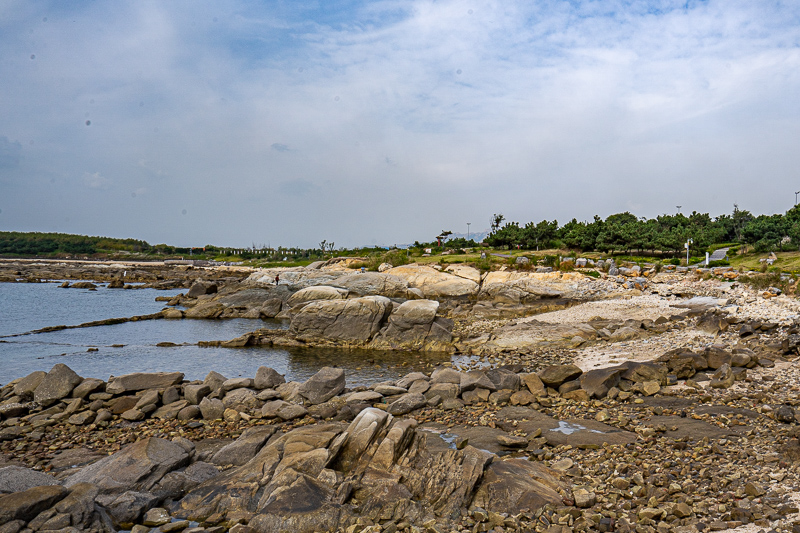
(29,306)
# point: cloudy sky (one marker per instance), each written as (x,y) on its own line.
(385,122)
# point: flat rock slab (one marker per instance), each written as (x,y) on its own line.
(75,457)
(575,432)
(727,411)
(694,429)
(441,438)
(141,381)
(667,402)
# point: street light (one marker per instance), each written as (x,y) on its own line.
(679,208)
(468,223)
(795,197)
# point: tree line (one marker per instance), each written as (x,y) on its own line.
(665,234)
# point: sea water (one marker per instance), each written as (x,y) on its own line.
(103,351)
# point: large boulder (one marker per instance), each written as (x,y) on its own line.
(141,381)
(138,466)
(27,504)
(57,384)
(200,288)
(414,325)
(28,384)
(245,447)
(320,292)
(373,283)
(435,284)
(323,385)
(554,375)
(17,479)
(354,321)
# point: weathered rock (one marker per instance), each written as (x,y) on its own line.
(127,507)
(17,479)
(170,411)
(407,403)
(28,384)
(319,292)
(435,284)
(371,283)
(354,321)
(57,384)
(141,381)
(323,385)
(503,379)
(27,504)
(723,378)
(200,288)
(555,375)
(245,447)
(88,386)
(476,379)
(138,466)
(79,504)
(282,409)
(598,382)
(211,408)
(534,383)
(195,393)
(267,378)
(241,399)
(414,325)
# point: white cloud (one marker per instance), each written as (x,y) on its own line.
(539,110)
(96,181)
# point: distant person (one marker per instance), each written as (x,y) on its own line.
(277,279)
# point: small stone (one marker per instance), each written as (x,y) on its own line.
(584,498)
(156,517)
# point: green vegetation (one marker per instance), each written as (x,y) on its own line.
(663,236)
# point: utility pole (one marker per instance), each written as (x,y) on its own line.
(468,223)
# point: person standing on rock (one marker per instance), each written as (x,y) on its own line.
(277,279)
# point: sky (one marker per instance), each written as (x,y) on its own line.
(385,122)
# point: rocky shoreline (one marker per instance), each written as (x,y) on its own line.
(664,407)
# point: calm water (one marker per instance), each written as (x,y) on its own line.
(28,306)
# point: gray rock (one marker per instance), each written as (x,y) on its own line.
(214,380)
(57,384)
(138,466)
(323,385)
(17,479)
(555,375)
(245,447)
(446,375)
(88,386)
(170,411)
(503,379)
(723,378)
(127,507)
(194,394)
(200,288)
(598,382)
(79,504)
(476,379)
(354,321)
(267,378)
(141,381)
(27,504)
(407,403)
(241,398)
(28,384)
